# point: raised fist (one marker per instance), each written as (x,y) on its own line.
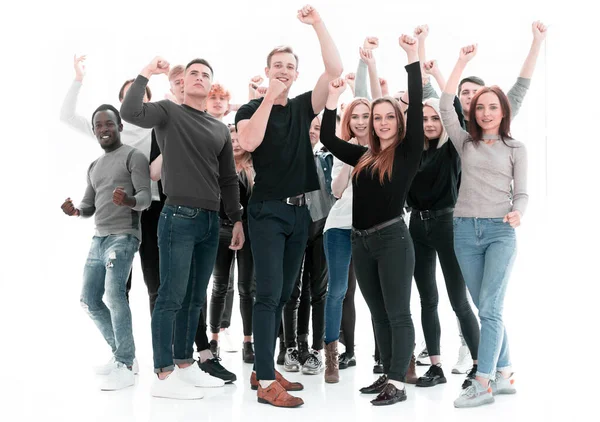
(256,81)
(421,32)
(276,88)
(261,91)
(371,43)
(431,67)
(468,52)
(384,87)
(539,31)
(68,208)
(367,56)
(158,65)
(79,67)
(408,43)
(337,87)
(350,79)
(309,15)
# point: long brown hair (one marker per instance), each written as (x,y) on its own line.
(375,159)
(347,133)
(245,163)
(504,130)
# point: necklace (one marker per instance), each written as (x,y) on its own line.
(490,137)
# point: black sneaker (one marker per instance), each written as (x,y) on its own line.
(378,367)
(470,377)
(248,352)
(214,348)
(433,376)
(281,355)
(346,360)
(214,368)
(389,395)
(303,352)
(377,387)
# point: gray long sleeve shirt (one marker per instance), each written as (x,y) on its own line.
(126,167)
(198,166)
(488,171)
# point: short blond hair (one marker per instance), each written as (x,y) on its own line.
(176,71)
(281,49)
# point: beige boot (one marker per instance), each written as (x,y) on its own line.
(332,370)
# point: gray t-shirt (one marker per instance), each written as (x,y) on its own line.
(488,171)
(125,167)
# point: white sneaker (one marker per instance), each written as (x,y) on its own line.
(226,341)
(120,377)
(112,364)
(501,385)
(464,363)
(195,376)
(173,387)
(314,364)
(474,395)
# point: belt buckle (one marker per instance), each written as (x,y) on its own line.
(425,215)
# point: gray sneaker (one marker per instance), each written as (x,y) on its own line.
(314,364)
(291,363)
(474,395)
(501,385)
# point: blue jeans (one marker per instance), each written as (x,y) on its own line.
(486,249)
(105,274)
(338,251)
(187,242)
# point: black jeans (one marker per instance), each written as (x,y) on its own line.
(309,291)
(201,338)
(384,263)
(221,277)
(431,237)
(228,310)
(278,232)
(149,252)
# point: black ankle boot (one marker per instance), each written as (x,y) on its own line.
(248,352)
(281,355)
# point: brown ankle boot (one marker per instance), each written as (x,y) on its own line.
(332,370)
(411,374)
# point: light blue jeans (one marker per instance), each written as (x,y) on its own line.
(105,275)
(486,249)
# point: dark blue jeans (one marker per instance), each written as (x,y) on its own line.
(187,241)
(279,233)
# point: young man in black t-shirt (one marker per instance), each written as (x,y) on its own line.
(275,129)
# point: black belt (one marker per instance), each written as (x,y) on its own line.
(298,201)
(377,227)
(429,214)
(226,223)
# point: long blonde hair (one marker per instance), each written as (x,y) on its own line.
(434,103)
(245,163)
(376,160)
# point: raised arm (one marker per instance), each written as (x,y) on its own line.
(431,68)
(253,86)
(516,94)
(368,57)
(133,108)
(329,52)
(68,112)
(414,116)
(251,132)
(345,151)
(450,120)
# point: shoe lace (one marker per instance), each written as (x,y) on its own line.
(313,358)
(294,355)
(215,361)
(469,391)
(431,372)
(380,381)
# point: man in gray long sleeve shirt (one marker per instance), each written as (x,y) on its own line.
(118,190)
(198,169)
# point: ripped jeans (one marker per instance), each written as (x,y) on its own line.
(105,275)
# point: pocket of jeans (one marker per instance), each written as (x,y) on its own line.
(186,212)
(255,209)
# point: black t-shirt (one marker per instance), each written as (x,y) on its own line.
(284,161)
(372,202)
(154,153)
(436,184)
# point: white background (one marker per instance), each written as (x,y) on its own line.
(48,343)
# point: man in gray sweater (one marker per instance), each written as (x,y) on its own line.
(118,190)
(197,172)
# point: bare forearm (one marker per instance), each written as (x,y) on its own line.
(439,78)
(340,183)
(155,168)
(531,60)
(454,79)
(252,133)
(329,51)
(374,82)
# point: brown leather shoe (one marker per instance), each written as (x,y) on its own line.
(289,386)
(276,395)
(411,374)
(332,370)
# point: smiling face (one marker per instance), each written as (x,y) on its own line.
(385,122)
(197,81)
(359,120)
(106,129)
(283,67)
(467,92)
(488,113)
(432,125)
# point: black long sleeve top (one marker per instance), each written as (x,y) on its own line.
(374,203)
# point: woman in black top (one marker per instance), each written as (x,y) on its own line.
(225,258)
(381,245)
(432,197)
